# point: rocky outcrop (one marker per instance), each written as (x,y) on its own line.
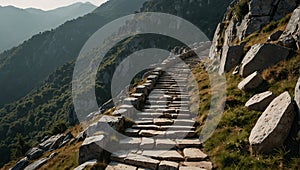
(231,56)
(21,164)
(274,125)
(34,153)
(262,56)
(260,102)
(246,17)
(106,124)
(251,82)
(91,149)
(52,143)
(291,35)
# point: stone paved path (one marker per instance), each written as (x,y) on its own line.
(163,136)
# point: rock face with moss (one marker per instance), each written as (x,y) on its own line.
(274,125)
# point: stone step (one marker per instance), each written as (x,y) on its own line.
(141,161)
(162,121)
(188,143)
(199,164)
(119,166)
(194,154)
(169,155)
(165,144)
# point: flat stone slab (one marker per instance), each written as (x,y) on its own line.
(143,122)
(141,161)
(151,133)
(164,144)
(175,127)
(130,142)
(162,121)
(88,163)
(147,143)
(147,127)
(200,164)
(180,134)
(119,155)
(260,102)
(194,154)
(168,165)
(132,132)
(170,155)
(188,143)
(186,122)
(119,166)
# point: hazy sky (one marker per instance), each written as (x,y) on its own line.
(45,4)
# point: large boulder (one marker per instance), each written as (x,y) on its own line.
(262,56)
(273,126)
(21,164)
(260,102)
(251,82)
(231,56)
(291,35)
(91,149)
(34,153)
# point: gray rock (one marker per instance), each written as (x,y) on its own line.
(291,34)
(260,102)
(274,125)
(250,25)
(52,143)
(81,136)
(275,36)
(262,56)
(194,154)
(231,56)
(88,163)
(21,164)
(141,161)
(251,82)
(37,164)
(34,153)
(91,149)
(297,96)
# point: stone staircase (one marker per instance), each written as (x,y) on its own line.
(163,136)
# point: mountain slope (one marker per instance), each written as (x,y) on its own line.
(56,92)
(24,67)
(18,25)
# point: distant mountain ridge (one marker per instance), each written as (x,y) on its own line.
(18,25)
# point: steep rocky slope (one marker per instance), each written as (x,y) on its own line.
(52,101)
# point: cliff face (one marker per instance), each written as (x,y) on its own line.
(243,18)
